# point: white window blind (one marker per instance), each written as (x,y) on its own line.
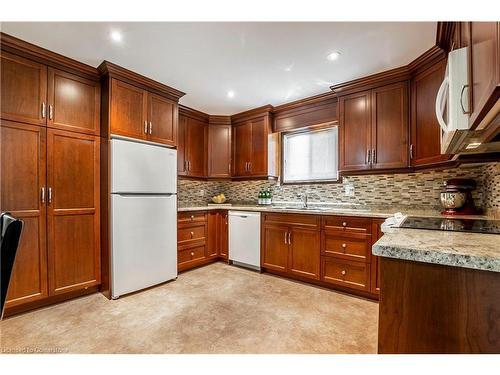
(311,156)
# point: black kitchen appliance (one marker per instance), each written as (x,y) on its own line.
(452,224)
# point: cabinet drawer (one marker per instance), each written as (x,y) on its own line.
(355,275)
(355,247)
(191,217)
(310,221)
(190,255)
(349,224)
(193,232)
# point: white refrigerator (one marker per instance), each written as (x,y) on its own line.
(143,215)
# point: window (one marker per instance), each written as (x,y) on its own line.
(311,156)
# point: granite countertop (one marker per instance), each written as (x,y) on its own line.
(459,249)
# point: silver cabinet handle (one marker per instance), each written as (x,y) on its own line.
(43,109)
(249,166)
(344,224)
(51,112)
(461,101)
(145,127)
(285,238)
(189,165)
(50,195)
(374,156)
(343,272)
(411,151)
(289,238)
(150,127)
(344,245)
(42,194)
(368,156)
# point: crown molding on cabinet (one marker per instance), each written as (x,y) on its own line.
(193,113)
(219,120)
(444,34)
(30,51)
(265,110)
(107,68)
(427,59)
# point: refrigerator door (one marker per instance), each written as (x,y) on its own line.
(142,168)
(144,241)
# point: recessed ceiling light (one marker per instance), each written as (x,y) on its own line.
(333,56)
(230,94)
(116,36)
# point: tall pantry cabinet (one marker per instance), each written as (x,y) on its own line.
(49,159)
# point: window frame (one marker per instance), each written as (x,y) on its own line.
(310,129)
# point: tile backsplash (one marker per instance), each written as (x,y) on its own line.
(413,189)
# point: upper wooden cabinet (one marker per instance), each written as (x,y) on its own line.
(192,144)
(24,89)
(250,142)
(138,107)
(219,147)
(374,128)
(425,145)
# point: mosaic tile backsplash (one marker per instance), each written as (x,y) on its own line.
(413,189)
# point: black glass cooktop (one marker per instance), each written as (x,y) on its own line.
(457,225)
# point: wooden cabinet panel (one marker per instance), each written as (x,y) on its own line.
(348,224)
(73,102)
(162,118)
(425,130)
(213,238)
(304,220)
(128,115)
(355,131)
(181,146)
(242,148)
(23,175)
(219,151)
(258,156)
(195,147)
(192,255)
(224,232)
(354,246)
(24,89)
(375,263)
(304,253)
(346,273)
(389,108)
(275,248)
(191,233)
(191,217)
(73,211)
(484,68)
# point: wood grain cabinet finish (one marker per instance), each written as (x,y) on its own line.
(23,193)
(73,102)
(128,112)
(275,247)
(219,151)
(162,120)
(213,241)
(23,90)
(242,148)
(73,211)
(191,147)
(304,255)
(224,236)
(425,148)
(375,263)
(346,273)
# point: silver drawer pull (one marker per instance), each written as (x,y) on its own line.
(343,272)
(192,254)
(344,245)
(43,110)
(344,224)
(42,193)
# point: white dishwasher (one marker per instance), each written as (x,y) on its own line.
(244,239)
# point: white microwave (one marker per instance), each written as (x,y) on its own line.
(452,102)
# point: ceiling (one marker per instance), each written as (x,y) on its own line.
(261,63)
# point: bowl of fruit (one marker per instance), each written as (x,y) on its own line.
(219,199)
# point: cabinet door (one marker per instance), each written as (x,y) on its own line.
(73,211)
(355,131)
(128,110)
(213,242)
(258,154)
(305,253)
(219,151)
(425,146)
(242,146)
(275,248)
(162,117)
(484,68)
(375,263)
(195,145)
(24,89)
(223,247)
(74,103)
(181,147)
(389,108)
(22,166)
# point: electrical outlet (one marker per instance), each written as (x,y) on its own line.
(349,190)
(201,193)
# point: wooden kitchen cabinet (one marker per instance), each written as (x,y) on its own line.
(162,119)
(374,128)
(242,148)
(375,264)
(275,247)
(192,143)
(23,89)
(73,102)
(128,110)
(23,194)
(304,255)
(224,236)
(425,147)
(213,240)
(73,211)
(219,150)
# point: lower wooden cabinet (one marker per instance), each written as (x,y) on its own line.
(275,250)
(346,273)
(375,271)
(50,180)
